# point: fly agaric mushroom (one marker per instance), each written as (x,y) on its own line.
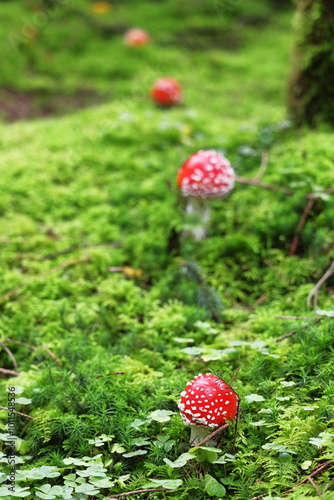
(136,36)
(206,404)
(206,174)
(166,92)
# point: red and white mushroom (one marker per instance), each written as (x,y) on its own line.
(206,174)
(136,36)
(206,404)
(166,92)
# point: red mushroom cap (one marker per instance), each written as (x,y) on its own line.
(136,36)
(206,174)
(166,91)
(208,401)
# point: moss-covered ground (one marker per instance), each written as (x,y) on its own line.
(108,308)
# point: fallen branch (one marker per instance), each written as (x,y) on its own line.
(10,354)
(301,224)
(136,492)
(259,496)
(255,182)
(9,372)
(314,293)
(213,434)
(17,412)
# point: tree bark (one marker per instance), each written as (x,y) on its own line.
(311,89)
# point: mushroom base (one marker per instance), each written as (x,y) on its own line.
(199,208)
(199,433)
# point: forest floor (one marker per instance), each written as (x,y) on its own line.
(108,307)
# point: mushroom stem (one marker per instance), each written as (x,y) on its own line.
(198,434)
(201,209)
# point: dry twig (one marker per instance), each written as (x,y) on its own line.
(18,342)
(255,182)
(111,373)
(314,293)
(213,434)
(301,224)
(17,412)
(52,355)
(315,486)
(10,354)
(234,375)
(8,372)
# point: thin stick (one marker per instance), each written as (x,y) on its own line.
(17,412)
(263,165)
(328,486)
(10,354)
(285,336)
(234,375)
(259,496)
(314,293)
(136,492)
(301,224)
(255,182)
(290,334)
(213,434)
(8,372)
(111,373)
(53,356)
(314,486)
(282,316)
(316,471)
(18,342)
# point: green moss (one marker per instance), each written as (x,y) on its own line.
(112,309)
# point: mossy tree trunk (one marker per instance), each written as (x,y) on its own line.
(311,86)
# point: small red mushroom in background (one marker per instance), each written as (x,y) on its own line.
(206,404)
(136,36)
(206,174)
(166,92)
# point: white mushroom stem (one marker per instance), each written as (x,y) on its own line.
(199,433)
(200,208)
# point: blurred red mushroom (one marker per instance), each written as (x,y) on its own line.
(136,36)
(206,174)
(166,92)
(206,404)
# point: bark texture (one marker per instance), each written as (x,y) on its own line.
(311,86)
